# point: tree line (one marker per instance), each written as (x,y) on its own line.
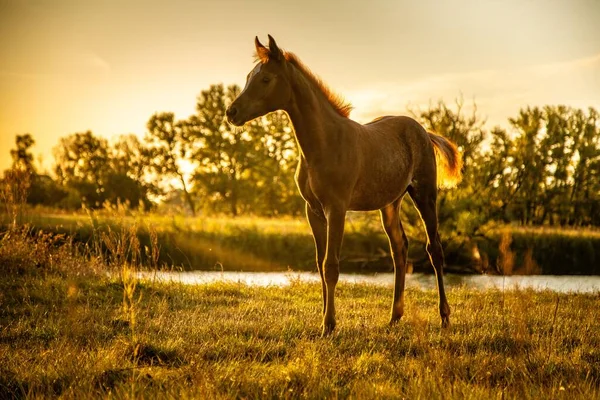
(201,163)
(543,169)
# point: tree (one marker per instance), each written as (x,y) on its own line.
(527,166)
(466,131)
(22,156)
(39,188)
(100,173)
(225,154)
(456,205)
(276,191)
(248,168)
(494,187)
(553,154)
(16,182)
(45,190)
(584,193)
(129,157)
(127,179)
(82,163)
(557,154)
(169,148)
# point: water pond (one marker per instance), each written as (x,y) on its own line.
(559,283)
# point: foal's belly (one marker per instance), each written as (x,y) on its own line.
(377,198)
(385,173)
(376,190)
(371,191)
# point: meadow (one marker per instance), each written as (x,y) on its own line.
(278,244)
(244,243)
(75,324)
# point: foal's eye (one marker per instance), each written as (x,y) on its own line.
(266,79)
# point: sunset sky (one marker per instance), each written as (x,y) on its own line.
(106,66)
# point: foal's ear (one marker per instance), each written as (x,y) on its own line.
(261,51)
(274,50)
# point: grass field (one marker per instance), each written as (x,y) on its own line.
(242,243)
(70,330)
(279,244)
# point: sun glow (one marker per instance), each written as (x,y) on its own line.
(77,66)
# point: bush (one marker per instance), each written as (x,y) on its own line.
(555,251)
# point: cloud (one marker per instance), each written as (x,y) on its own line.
(499,93)
(61,65)
(93,61)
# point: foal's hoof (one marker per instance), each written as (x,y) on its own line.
(328,329)
(395,319)
(445,322)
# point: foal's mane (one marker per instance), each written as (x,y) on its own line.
(341,106)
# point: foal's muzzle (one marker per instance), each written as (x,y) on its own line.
(232,112)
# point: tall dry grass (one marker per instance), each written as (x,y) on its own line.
(14,189)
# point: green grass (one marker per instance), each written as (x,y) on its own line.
(231,244)
(69,330)
(278,244)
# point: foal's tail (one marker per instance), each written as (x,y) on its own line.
(449,161)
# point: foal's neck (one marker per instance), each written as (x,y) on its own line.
(316,123)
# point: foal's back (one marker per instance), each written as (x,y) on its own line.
(392,151)
(407,137)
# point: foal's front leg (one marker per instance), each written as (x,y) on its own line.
(318,225)
(336,218)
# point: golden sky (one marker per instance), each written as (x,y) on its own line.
(67,66)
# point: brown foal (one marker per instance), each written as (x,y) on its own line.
(346,166)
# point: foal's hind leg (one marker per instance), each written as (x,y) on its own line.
(425,201)
(318,224)
(390,217)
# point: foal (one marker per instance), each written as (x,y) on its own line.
(345,166)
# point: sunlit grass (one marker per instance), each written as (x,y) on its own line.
(588,232)
(280,244)
(66,332)
(356,222)
(225,243)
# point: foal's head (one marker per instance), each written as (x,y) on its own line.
(267,86)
